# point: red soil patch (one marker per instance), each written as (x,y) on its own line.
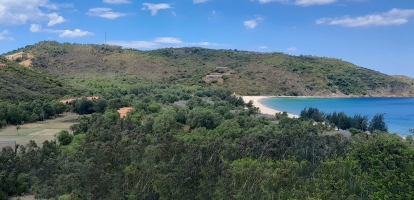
(123,111)
(30,56)
(92,98)
(68,101)
(26,63)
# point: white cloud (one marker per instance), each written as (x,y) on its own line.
(3,37)
(313,2)
(155,7)
(75,33)
(263,47)
(199,1)
(105,13)
(54,6)
(35,28)
(392,17)
(135,44)
(252,23)
(116,1)
(55,19)
(169,40)
(206,44)
(160,42)
(292,49)
(17,12)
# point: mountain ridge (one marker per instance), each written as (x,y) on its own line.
(252,73)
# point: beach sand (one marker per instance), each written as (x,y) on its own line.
(263,108)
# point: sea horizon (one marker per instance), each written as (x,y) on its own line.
(399,111)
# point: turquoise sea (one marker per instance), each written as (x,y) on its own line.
(399,112)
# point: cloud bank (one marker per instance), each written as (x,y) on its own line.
(18,12)
(393,17)
(251,24)
(155,7)
(105,13)
(35,28)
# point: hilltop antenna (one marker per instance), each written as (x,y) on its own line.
(105,37)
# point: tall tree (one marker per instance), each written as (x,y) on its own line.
(377,123)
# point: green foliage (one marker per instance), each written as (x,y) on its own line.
(387,160)
(377,123)
(82,106)
(18,83)
(64,138)
(201,151)
(276,73)
(36,110)
(312,113)
(154,108)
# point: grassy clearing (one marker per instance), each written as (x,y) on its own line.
(28,197)
(40,131)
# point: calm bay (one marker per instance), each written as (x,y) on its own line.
(399,112)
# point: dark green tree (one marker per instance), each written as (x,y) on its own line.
(64,137)
(377,123)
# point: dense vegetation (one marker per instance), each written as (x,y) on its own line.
(18,83)
(26,112)
(211,146)
(250,73)
(209,149)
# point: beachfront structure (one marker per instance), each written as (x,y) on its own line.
(11,144)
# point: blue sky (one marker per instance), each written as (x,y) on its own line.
(375,34)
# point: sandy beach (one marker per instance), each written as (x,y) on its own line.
(263,108)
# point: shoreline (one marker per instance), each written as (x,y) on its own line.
(339,97)
(264,109)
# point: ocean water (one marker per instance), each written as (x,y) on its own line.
(399,112)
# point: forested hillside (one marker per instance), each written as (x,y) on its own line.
(18,83)
(211,148)
(250,73)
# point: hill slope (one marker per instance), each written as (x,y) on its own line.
(250,73)
(18,83)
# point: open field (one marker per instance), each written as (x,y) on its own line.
(39,131)
(28,197)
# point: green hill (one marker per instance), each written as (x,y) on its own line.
(250,73)
(18,83)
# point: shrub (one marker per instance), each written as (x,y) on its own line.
(64,137)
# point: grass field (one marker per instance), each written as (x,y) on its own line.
(28,197)
(39,131)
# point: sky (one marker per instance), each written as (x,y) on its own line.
(375,34)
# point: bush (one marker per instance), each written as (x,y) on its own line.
(64,137)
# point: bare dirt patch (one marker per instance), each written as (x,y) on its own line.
(30,56)
(26,63)
(14,56)
(123,111)
(68,101)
